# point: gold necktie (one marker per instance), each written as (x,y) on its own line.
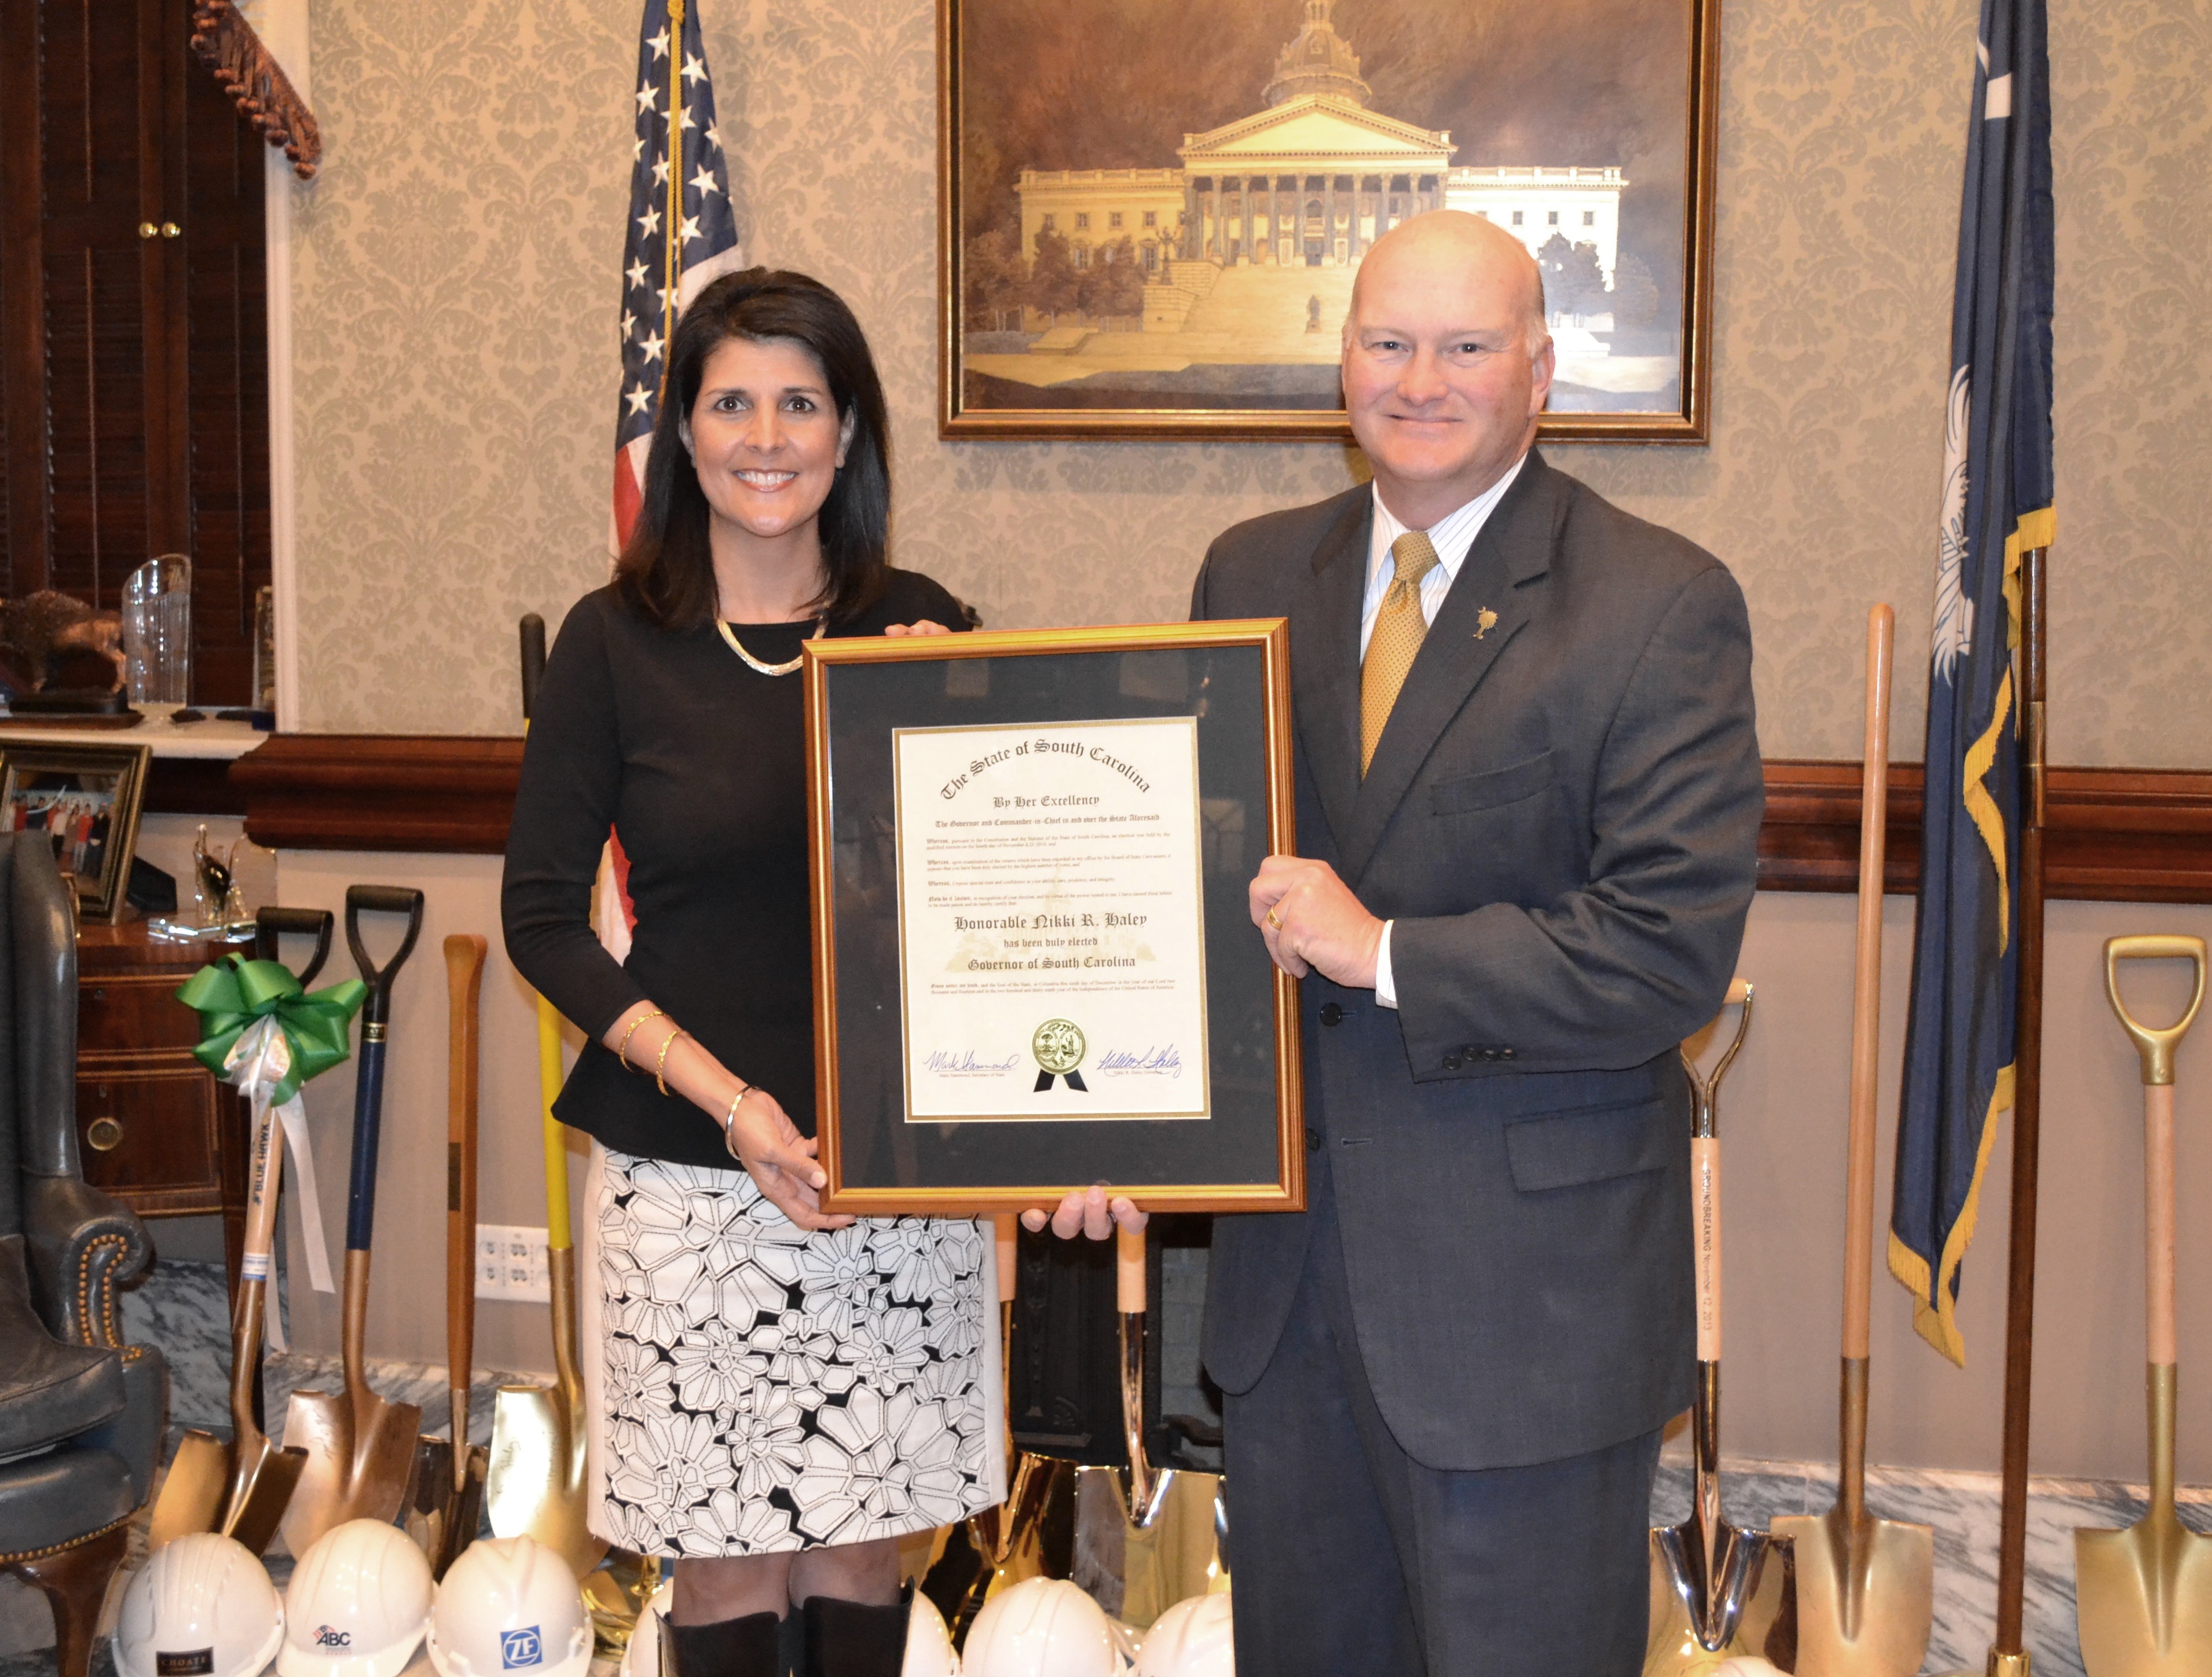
(1399,630)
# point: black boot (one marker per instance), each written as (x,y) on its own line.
(745,1647)
(849,1639)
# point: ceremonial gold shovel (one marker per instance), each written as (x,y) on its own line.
(2145,1593)
(1716,1590)
(1866,1587)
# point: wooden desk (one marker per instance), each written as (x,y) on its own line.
(154,1127)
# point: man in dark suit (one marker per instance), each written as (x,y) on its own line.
(1529,797)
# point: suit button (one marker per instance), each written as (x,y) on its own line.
(1331,1014)
(1505,1053)
(1489,1054)
(1313,1141)
(1451,1063)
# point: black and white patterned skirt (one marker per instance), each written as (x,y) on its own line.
(754,1388)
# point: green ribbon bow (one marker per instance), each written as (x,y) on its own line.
(233,994)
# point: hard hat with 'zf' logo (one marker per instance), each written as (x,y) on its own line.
(509,1608)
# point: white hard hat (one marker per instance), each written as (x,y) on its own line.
(641,1653)
(1190,1639)
(1042,1627)
(509,1604)
(357,1606)
(202,1606)
(928,1644)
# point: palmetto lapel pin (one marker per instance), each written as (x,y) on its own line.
(1484,621)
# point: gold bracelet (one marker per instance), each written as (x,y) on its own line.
(661,1064)
(730,1119)
(622,1048)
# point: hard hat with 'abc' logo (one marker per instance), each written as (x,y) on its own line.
(357,1606)
(1042,1627)
(509,1608)
(202,1606)
(1191,1639)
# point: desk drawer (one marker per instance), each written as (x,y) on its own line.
(130,1013)
(151,1131)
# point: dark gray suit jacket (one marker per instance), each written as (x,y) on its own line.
(1562,817)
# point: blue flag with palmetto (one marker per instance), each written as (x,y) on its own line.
(1959,1045)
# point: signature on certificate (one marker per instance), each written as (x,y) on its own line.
(965,1062)
(1141,1062)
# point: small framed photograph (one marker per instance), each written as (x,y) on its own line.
(1035,964)
(86,800)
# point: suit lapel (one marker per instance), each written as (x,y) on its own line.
(1513,550)
(1325,658)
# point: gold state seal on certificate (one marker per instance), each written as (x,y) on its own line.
(1047,876)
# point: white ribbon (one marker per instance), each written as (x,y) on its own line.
(257,1063)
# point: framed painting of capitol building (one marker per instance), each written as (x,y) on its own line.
(1151,213)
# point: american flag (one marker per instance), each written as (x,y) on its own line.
(681,233)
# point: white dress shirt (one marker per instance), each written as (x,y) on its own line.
(1452,535)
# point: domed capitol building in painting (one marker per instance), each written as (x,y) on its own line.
(1248,247)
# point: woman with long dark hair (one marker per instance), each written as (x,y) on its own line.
(780,1395)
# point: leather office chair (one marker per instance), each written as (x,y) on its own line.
(81,1414)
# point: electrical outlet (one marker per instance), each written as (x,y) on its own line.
(511,1263)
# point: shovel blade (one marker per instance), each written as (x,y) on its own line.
(1890,1566)
(443,1512)
(264,1490)
(2145,1598)
(534,1478)
(1758,1618)
(360,1462)
(193,1493)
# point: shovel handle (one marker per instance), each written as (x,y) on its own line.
(2155,1046)
(1706,1091)
(550,1079)
(1705,1237)
(253,1270)
(1005,1237)
(368,1074)
(465,964)
(1866,991)
(272,922)
(1129,1271)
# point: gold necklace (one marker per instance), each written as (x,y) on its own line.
(730,636)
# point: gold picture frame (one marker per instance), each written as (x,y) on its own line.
(1151,374)
(1233,678)
(90,799)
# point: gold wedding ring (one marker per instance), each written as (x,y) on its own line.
(1274,919)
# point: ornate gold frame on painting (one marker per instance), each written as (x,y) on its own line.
(1271,636)
(1687,424)
(102,898)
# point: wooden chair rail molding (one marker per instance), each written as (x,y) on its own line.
(2115,834)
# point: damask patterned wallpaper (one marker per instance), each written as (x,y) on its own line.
(455,370)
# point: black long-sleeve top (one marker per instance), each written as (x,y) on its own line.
(698,763)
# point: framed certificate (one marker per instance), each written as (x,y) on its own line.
(1035,968)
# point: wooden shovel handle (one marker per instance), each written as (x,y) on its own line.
(1866,990)
(2154,1048)
(465,964)
(1004,1239)
(1129,1270)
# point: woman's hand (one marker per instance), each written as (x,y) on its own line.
(781,1161)
(1090,1212)
(923,627)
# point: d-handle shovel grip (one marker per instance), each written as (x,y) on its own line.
(381,900)
(2155,1046)
(272,923)
(1705,1091)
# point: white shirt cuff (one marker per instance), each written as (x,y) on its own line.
(1386,989)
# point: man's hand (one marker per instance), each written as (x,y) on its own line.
(1311,920)
(1090,1213)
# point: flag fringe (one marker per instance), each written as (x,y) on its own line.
(1935,1304)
